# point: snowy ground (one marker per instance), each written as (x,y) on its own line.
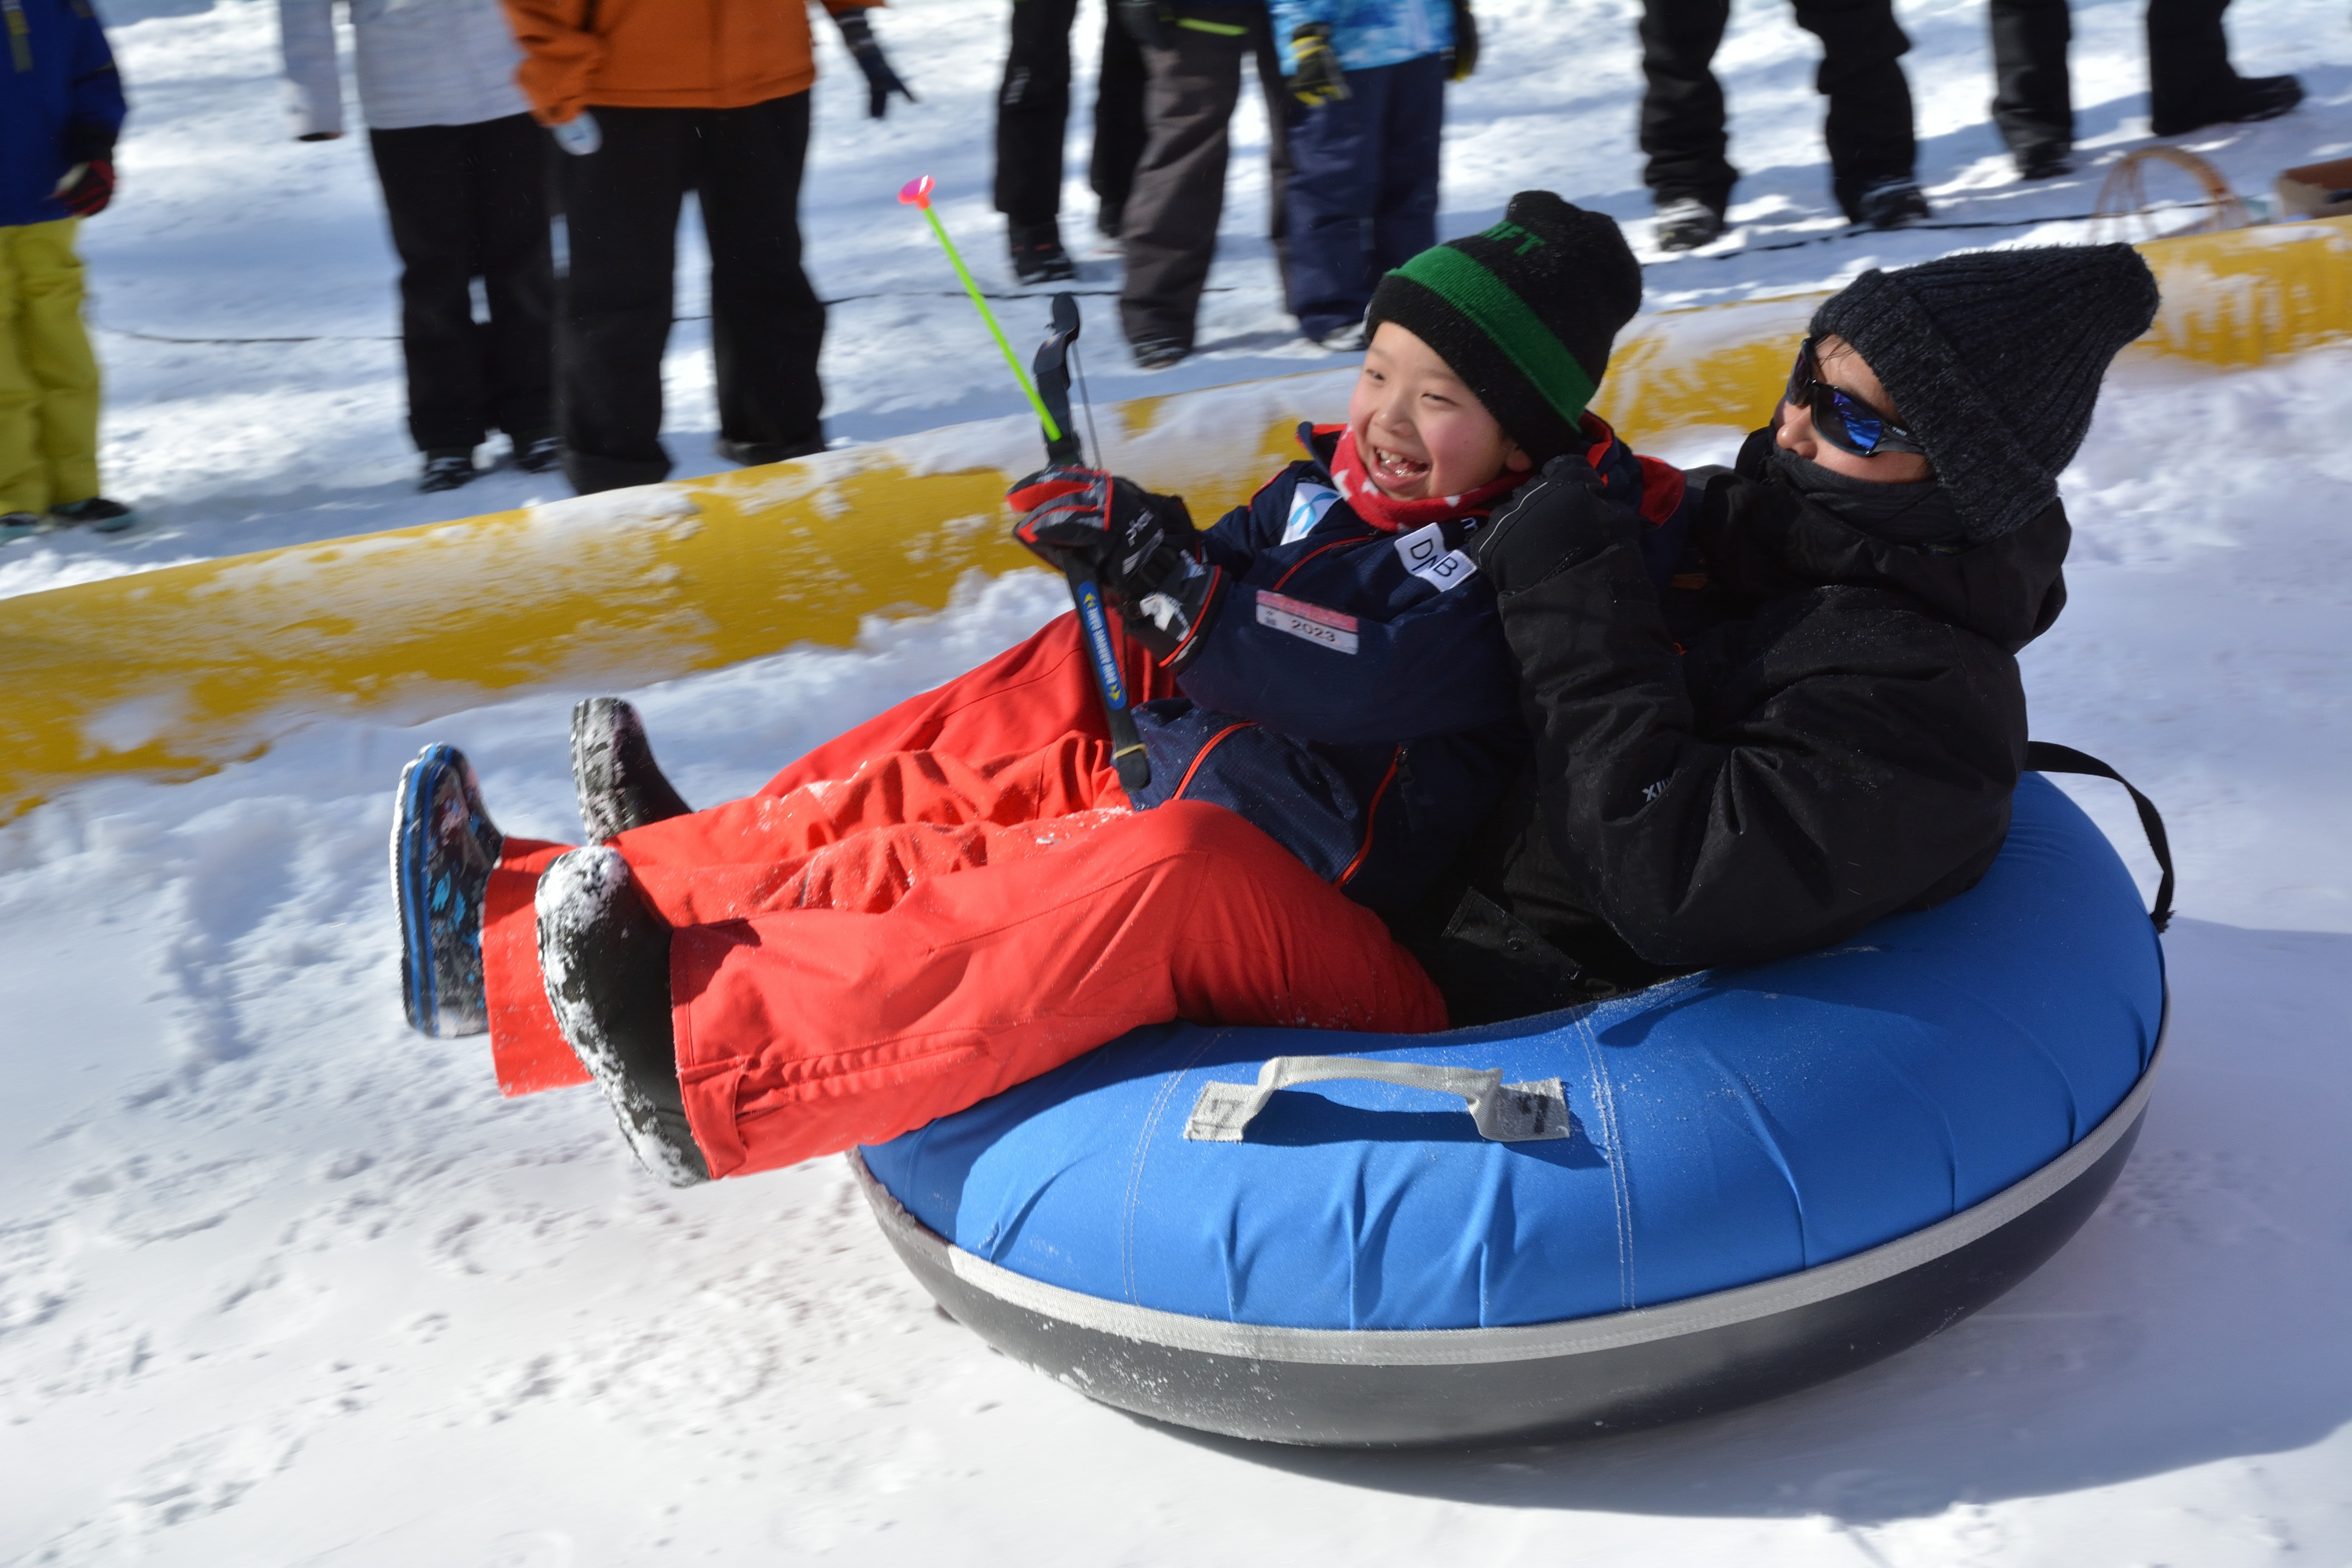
(243,294)
(280,1283)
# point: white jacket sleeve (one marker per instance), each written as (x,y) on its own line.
(314,78)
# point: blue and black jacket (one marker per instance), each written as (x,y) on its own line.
(1355,698)
(60,103)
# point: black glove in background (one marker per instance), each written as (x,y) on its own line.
(1315,77)
(881,81)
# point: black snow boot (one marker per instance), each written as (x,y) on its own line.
(1686,224)
(2244,99)
(1891,204)
(759,454)
(444,847)
(1037,253)
(537,452)
(612,771)
(447,468)
(606,957)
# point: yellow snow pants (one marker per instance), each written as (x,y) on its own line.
(49,377)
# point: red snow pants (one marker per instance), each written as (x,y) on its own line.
(888,931)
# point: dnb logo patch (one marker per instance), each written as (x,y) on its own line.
(1328,629)
(1308,505)
(1425,554)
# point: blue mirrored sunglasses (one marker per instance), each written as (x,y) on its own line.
(1843,420)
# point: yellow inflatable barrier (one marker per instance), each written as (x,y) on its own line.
(174,672)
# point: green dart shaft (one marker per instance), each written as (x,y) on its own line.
(1052,431)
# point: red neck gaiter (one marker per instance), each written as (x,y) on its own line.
(1383,511)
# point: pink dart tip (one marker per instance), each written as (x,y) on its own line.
(917,193)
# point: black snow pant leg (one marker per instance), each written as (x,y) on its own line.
(1179,196)
(466,202)
(518,271)
(2033,101)
(1118,124)
(2188,58)
(1033,111)
(1363,189)
(621,205)
(1868,129)
(1683,134)
(767,325)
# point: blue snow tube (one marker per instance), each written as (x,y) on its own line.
(1711,1192)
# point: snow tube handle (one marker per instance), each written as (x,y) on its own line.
(1505,1112)
(2048,757)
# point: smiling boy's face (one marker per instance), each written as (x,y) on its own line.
(1419,430)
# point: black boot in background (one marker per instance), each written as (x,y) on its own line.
(1037,253)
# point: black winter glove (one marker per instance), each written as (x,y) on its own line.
(1557,522)
(1315,77)
(1137,546)
(1466,41)
(85,188)
(86,140)
(881,81)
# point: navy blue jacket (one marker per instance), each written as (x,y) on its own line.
(1355,698)
(60,104)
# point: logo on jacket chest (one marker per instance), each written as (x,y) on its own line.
(1426,555)
(1308,502)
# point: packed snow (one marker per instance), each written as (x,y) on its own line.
(281,1282)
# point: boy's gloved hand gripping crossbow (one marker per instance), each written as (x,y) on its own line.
(1111,538)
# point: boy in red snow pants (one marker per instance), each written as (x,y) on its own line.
(960,895)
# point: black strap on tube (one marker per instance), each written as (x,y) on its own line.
(2044,757)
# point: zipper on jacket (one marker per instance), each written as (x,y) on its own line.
(1202,755)
(1371,819)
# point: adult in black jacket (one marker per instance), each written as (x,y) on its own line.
(1822,721)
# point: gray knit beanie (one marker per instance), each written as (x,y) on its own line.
(1994,361)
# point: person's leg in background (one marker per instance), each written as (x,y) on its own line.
(1337,156)
(510,176)
(2190,81)
(1683,134)
(1119,124)
(55,346)
(1179,196)
(1032,112)
(1282,111)
(767,325)
(23,474)
(1405,224)
(1868,129)
(621,205)
(432,200)
(2033,102)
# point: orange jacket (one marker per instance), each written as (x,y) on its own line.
(663,54)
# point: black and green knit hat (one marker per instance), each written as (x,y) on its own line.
(1524,313)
